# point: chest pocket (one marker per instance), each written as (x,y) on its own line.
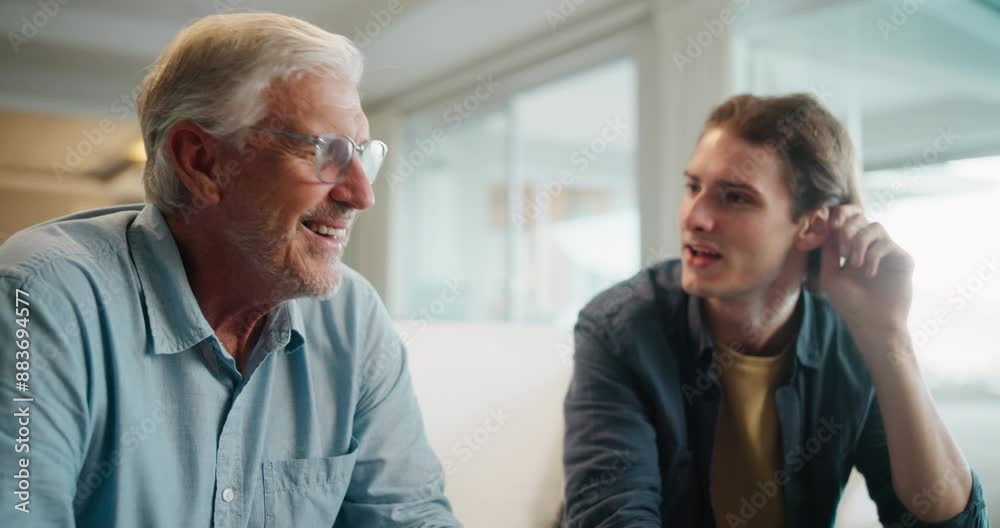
(306,491)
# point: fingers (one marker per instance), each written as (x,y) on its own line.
(862,244)
(879,249)
(862,240)
(847,233)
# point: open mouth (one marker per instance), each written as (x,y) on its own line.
(338,233)
(326,237)
(700,256)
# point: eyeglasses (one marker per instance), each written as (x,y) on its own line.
(338,150)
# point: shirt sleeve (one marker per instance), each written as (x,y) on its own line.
(398,480)
(609,453)
(873,462)
(43,438)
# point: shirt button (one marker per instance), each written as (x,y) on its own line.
(228,494)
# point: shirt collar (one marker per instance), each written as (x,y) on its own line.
(173,318)
(807,343)
(283,330)
(295,324)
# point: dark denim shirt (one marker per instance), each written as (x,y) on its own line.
(642,405)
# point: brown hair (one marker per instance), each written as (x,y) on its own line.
(816,150)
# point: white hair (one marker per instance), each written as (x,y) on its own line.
(215,72)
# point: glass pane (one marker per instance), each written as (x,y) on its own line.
(945,215)
(575,216)
(527,207)
(916,84)
(914,97)
(451,224)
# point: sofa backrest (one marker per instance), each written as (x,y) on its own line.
(491,396)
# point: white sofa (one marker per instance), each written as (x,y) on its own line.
(491,396)
(469,377)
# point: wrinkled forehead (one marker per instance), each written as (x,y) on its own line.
(316,105)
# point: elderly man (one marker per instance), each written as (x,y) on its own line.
(206,359)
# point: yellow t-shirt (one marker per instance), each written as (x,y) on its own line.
(747,449)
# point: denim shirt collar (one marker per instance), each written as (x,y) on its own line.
(808,350)
(173,317)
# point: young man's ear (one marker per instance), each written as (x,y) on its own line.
(195,155)
(814,230)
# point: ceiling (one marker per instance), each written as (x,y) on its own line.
(940,68)
(91,52)
(907,76)
(85,60)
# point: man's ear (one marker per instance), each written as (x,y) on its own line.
(814,229)
(195,155)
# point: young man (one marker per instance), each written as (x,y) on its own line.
(206,359)
(740,385)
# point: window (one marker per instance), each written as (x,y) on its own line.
(945,215)
(927,138)
(917,89)
(520,207)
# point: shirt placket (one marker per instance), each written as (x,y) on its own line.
(231,493)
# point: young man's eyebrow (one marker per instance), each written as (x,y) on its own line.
(740,186)
(726,184)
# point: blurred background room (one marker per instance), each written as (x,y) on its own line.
(536,157)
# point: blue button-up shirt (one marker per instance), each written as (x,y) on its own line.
(132,413)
